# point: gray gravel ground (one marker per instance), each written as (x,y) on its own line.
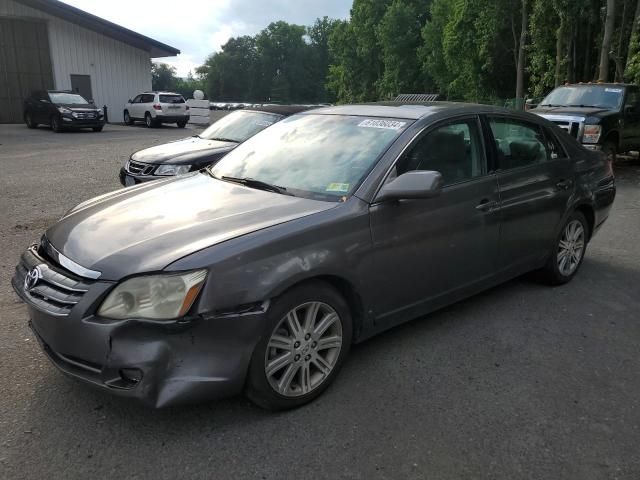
(523,381)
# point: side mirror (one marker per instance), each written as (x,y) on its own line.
(631,109)
(414,184)
(91,102)
(129,101)
(43,100)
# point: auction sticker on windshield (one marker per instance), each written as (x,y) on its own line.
(613,90)
(338,187)
(386,124)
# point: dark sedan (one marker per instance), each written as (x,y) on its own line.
(331,226)
(197,152)
(62,110)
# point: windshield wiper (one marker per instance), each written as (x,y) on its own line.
(220,139)
(258,184)
(550,105)
(197,136)
(585,106)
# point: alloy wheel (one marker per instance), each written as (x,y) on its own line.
(303,349)
(571,248)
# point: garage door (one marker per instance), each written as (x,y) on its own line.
(25,64)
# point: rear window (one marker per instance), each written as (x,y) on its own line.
(171,99)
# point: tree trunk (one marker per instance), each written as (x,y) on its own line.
(634,30)
(521,52)
(559,52)
(609,25)
(586,73)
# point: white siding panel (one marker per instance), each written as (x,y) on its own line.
(118,71)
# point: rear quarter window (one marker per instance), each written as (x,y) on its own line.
(171,99)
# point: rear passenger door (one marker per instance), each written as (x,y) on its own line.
(536,181)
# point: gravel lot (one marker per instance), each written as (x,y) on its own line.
(523,381)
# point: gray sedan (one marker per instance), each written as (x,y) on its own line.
(256,275)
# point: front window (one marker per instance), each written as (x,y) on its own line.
(323,157)
(62,98)
(598,96)
(239,126)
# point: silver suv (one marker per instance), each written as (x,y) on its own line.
(155,108)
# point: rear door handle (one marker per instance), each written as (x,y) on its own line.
(486,205)
(564,184)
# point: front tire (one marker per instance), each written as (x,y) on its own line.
(307,337)
(97,129)
(28,119)
(182,124)
(127,118)
(568,252)
(56,124)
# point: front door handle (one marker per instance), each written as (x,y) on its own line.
(564,184)
(486,205)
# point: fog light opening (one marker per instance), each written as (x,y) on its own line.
(131,376)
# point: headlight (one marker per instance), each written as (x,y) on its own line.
(64,110)
(592,133)
(157,297)
(172,169)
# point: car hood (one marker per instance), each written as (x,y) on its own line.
(79,107)
(183,151)
(147,227)
(581,112)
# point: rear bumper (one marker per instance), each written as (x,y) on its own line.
(171,118)
(157,363)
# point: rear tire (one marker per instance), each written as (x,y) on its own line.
(148,121)
(313,343)
(56,125)
(127,118)
(28,119)
(568,251)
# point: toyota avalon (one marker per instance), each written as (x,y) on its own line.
(257,275)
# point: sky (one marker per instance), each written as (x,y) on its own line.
(198,28)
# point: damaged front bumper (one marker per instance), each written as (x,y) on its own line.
(158,363)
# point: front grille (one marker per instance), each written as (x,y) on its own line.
(573,125)
(139,168)
(572,128)
(85,115)
(55,292)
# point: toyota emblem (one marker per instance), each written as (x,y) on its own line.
(32,278)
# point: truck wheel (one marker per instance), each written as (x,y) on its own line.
(610,150)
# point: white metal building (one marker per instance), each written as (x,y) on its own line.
(47,44)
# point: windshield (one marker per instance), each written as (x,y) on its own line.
(585,96)
(323,157)
(67,99)
(238,126)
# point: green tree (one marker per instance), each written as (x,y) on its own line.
(163,77)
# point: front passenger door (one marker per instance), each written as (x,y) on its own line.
(428,251)
(134,107)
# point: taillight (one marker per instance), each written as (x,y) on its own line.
(157,107)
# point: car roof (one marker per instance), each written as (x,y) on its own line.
(285,110)
(163,93)
(407,110)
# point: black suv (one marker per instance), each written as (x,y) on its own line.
(601,116)
(62,109)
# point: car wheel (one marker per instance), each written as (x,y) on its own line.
(182,124)
(307,337)
(611,151)
(127,118)
(148,121)
(98,129)
(55,124)
(28,119)
(568,252)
